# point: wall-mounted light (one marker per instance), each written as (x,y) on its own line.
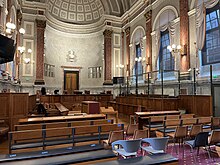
(177,49)
(21,49)
(139,59)
(120,66)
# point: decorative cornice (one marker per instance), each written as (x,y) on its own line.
(40,23)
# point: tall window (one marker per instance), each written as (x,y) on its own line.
(165,57)
(211,49)
(95,72)
(138,64)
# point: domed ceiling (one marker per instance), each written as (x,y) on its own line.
(76,11)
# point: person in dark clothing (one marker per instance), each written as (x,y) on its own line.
(43,91)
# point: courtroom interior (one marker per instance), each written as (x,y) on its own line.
(110,82)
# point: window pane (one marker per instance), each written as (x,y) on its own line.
(213,15)
(207,18)
(214,23)
(208,26)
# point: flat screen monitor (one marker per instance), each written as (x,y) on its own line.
(118,80)
(7,49)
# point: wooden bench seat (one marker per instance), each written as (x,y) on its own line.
(58,136)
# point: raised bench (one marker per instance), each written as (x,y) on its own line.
(62,124)
(58,136)
(77,158)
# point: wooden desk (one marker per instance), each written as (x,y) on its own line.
(139,115)
(109,111)
(150,159)
(60,118)
(156,113)
(90,107)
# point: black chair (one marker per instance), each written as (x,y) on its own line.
(201,140)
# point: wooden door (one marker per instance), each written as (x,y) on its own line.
(71,81)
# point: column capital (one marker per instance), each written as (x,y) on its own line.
(127,31)
(108,33)
(40,23)
(148,15)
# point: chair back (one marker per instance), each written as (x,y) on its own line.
(201,140)
(195,130)
(115,135)
(181,132)
(131,128)
(157,143)
(129,146)
(140,134)
(215,137)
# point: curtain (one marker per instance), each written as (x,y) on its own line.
(171,27)
(201,21)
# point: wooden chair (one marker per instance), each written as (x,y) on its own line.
(189,121)
(154,122)
(195,129)
(183,116)
(168,117)
(140,134)
(179,135)
(114,136)
(131,128)
(206,122)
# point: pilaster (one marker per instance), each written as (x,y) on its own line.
(41,25)
(108,56)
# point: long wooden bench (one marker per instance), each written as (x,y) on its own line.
(61,119)
(62,124)
(58,136)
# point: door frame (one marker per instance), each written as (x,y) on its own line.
(77,78)
(213,97)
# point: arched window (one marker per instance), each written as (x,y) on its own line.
(166,60)
(211,49)
(138,64)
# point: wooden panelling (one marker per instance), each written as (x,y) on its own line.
(13,107)
(4,102)
(32,102)
(198,105)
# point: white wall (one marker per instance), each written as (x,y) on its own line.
(88,50)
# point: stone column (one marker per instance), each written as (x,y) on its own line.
(148,16)
(41,24)
(127,31)
(184,36)
(108,56)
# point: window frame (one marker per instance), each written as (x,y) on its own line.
(169,60)
(215,9)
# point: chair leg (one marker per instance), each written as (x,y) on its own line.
(208,153)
